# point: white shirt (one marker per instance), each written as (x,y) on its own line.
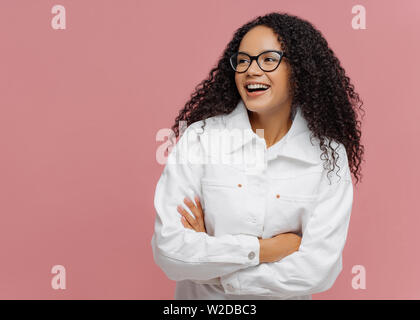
(283,188)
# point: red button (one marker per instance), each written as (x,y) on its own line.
(239,185)
(277,196)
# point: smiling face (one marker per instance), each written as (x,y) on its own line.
(257,40)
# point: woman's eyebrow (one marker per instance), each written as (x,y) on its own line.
(242,51)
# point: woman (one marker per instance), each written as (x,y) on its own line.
(265,213)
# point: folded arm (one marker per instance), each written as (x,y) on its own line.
(183,253)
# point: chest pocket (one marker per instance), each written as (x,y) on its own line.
(298,187)
(292,199)
(223,195)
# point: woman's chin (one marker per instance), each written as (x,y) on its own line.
(255,105)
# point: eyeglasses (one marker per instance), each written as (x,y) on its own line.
(267,61)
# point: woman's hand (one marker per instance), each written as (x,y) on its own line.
(278,247)
(187,220)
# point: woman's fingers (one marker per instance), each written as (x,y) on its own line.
(190,220)
(196,222)
(197,213)
(201,214)
(197,201)
(185,223)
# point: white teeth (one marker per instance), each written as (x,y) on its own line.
(257,86)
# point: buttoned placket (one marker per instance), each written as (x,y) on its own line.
(256,177)
(261,181)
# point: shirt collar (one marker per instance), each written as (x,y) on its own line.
(297,144)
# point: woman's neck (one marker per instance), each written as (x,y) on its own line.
(275,124)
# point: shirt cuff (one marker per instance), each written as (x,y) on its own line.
(246,251)
(252,250)
(230,282)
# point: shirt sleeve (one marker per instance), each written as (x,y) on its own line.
(318,262)
(184,253)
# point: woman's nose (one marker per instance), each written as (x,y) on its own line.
(254,68)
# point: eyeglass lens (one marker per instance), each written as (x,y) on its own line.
(267,61)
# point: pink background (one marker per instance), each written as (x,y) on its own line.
(80,109)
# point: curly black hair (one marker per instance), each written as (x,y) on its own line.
(319,86)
